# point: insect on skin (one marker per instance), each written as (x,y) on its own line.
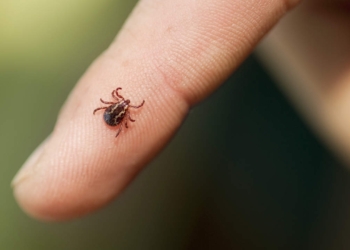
(117,111)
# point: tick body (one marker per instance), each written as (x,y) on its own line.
(118,112)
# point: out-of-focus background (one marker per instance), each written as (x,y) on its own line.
(244,171)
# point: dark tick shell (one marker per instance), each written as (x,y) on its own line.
(115,113)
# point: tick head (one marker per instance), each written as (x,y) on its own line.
(127,102)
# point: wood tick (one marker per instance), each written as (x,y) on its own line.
(116,111)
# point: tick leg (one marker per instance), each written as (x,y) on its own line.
(116,93)
(99,109)
(119,130)
(126,124)
(136,107)
(106,102)
(114,96)
(130,117)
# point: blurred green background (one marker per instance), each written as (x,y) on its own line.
(244,172)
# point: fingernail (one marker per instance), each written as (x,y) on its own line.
(27,170)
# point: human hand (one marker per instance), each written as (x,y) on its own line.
(313,43)
(172,54)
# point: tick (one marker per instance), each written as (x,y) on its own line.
(116,111)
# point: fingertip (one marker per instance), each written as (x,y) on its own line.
(49,196)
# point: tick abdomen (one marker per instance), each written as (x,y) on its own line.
(115,113)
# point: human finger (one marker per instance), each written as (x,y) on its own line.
(171,54)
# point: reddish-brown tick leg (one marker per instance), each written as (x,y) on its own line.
(136,107)
(99,109)
(106,102)
(130,117)
(114,96)
(119,130)
(116,92)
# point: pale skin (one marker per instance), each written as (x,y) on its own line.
(172,54)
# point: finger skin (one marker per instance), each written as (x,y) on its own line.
(171,54)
